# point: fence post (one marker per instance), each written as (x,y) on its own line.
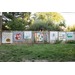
(0,28)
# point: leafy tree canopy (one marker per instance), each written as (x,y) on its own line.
(40,20)
(54,17)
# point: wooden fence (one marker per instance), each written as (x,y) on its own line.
(26,37)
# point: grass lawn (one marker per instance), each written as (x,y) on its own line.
(49,52)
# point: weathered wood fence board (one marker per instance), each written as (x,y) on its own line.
(53,36)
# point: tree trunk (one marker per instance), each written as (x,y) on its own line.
(0,29)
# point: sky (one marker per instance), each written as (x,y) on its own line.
(69,18)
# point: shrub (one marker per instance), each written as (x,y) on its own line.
(70,42)
(71,28)
(38,25)
(16,24)
(58,41)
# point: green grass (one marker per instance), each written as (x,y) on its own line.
(49,52)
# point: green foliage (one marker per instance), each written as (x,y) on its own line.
(58,41)
(46,21)
(62,24)
(70,42)
(54,17)
(9,15)
(26,17)
(16,20)
(16,24)
(41,20)
(71,28)
(38,25)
